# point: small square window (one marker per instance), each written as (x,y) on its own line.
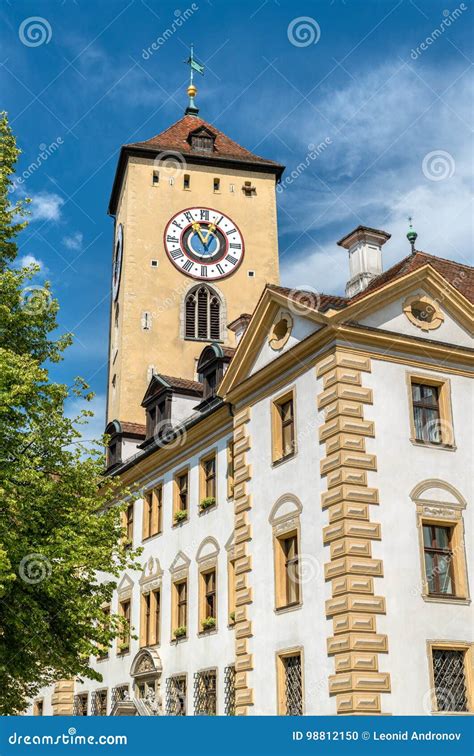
(251,273)
(154,263)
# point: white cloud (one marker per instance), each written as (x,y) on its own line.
(27,260)
(46,206)
(74,241)
(382,127)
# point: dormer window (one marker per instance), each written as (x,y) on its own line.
(202,140)
(211,367)
(123,437)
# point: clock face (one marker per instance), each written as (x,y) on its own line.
(117,263)
(203,243)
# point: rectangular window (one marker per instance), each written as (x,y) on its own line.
(156,178)
(128,519)
(438,560)
(283,427)
(99,703)
(205,692)
(150,618)
(80,705)
(451,678)
(152,512)
(230,470)
(186,181)
(176,696)
(426,413)
(231,590)
(38,708)
(290,684)
(287,571)
(229,690)
(120,693)
(207,600)
(208,482)
(180,609)
(217,184)
(430,411)
(124,638)
(181,497)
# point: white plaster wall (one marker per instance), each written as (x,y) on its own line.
(305,626)
(392,318)
(197,652)
(410,621)
(302,327)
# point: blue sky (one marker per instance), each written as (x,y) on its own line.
(384,85)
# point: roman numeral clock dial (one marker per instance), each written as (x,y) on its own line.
(203,243)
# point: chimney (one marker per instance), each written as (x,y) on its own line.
(364,245)
(239,326)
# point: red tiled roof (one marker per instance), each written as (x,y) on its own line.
(310,300)
(460,276)
(176,139)
(228,351)
(183,384)
(134,429)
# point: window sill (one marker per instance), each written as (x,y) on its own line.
(282,460)
(211,631)
(204,341)
(207,509)
(100,659)
(151,537)
(175,641)
(288,608)
(428,445)
(446,600)
(182,522)
(125,652)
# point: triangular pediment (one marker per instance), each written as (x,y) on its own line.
(278,324)
(180,562)
(444,313)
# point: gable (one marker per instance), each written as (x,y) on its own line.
(272,346)
(396,317)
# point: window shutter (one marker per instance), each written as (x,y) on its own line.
(203,298)
(190,325)
(215,330)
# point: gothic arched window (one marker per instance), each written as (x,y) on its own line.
(202,314)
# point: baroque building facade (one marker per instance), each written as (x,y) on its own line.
(304,460)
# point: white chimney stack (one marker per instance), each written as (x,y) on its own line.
(364,245)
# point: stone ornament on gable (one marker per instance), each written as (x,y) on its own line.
(423,312)
(280,331)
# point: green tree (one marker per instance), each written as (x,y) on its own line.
(56,531)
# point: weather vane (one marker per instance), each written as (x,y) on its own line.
(192,108)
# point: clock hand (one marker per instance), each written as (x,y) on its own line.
(197,228)
(210,230)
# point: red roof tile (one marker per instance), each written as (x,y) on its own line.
(133,429)
(311,300)
(176,138)
(460,276)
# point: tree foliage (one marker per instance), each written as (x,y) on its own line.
(56,532)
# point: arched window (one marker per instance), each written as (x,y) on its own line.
(203,314)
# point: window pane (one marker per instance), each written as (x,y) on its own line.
(427,535)
(429,565)
(442,537)
(443,569)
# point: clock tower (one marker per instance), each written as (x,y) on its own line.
(195,242)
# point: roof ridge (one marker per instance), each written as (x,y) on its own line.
(443,259)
